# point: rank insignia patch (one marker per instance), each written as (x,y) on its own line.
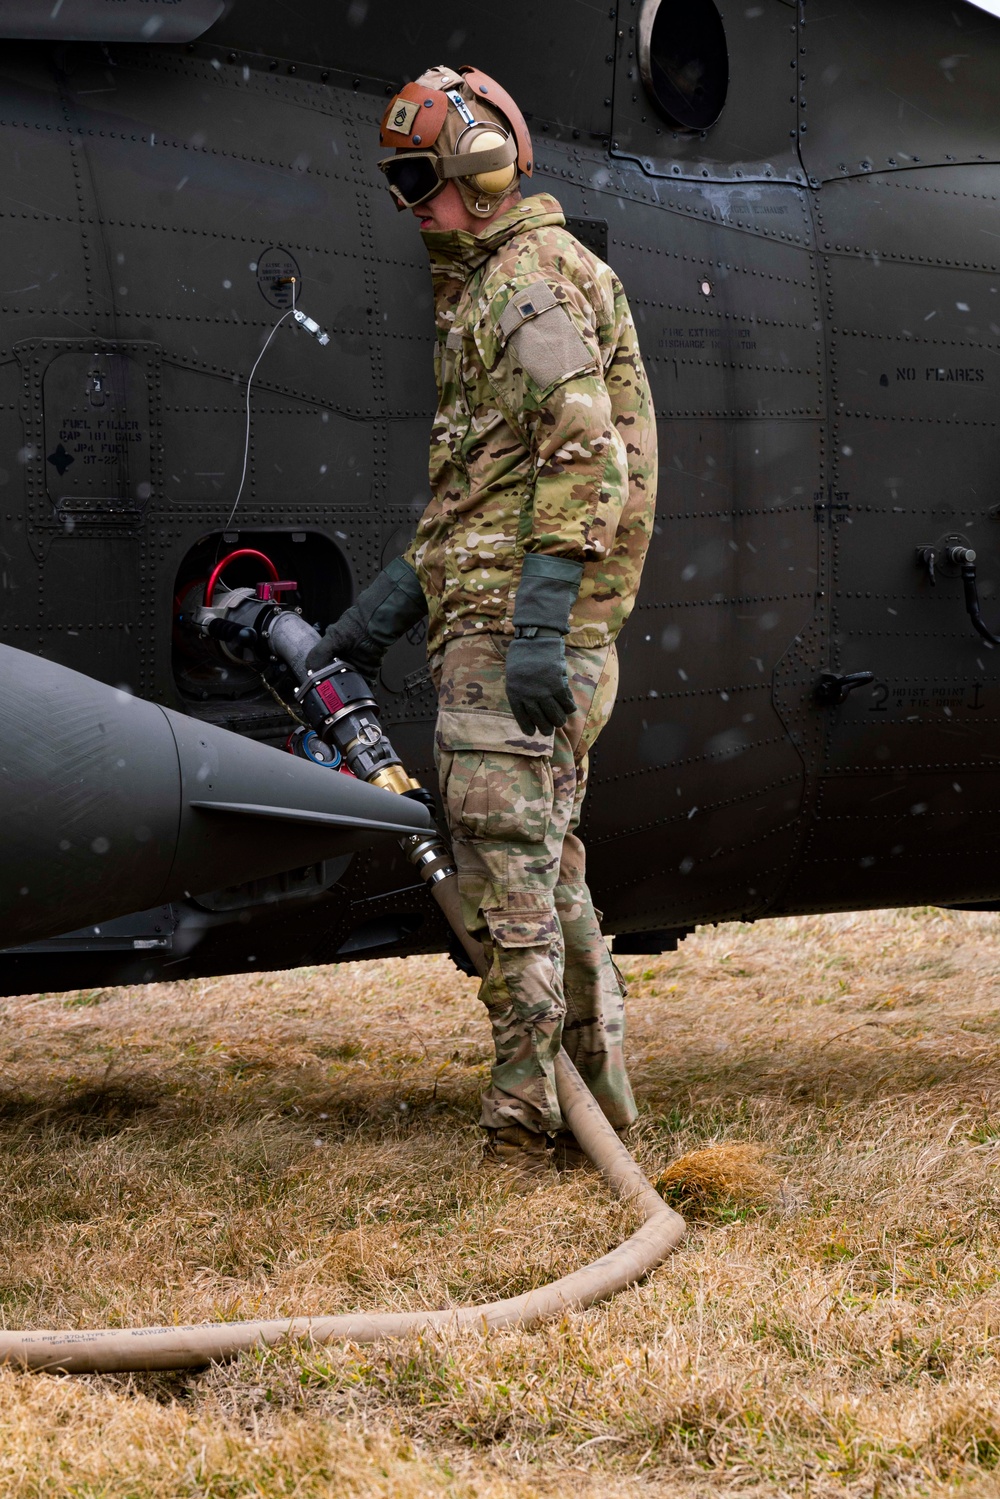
(402,115)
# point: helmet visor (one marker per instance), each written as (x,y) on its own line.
(412,177)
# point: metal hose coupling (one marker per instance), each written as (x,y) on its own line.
(337,702)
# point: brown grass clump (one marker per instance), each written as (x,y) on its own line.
(720,1176)
(306,1142)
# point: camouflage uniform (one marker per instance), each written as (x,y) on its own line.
(566,468)
(559,459)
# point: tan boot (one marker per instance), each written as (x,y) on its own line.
(567,1155)
(518,1150)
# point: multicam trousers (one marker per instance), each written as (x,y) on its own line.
(513,802)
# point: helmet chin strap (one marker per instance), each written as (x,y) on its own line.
(483,205)
(487,207)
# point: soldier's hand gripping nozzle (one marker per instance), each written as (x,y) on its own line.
(337,704)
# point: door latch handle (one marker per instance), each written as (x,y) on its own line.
(927,558)
(833,687)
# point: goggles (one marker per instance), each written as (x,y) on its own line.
(413,177)
(416,176)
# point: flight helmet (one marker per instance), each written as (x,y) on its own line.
(454,125)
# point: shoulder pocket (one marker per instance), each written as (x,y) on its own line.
(544,339)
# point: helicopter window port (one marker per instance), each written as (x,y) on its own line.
(684,61)
(218,685)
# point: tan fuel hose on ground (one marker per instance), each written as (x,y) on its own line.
(135,1348)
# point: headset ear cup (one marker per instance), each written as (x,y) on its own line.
(491,183)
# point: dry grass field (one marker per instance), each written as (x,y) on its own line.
(305,1142)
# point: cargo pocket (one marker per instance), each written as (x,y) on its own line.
(620,978)
(523,928)
(496,782)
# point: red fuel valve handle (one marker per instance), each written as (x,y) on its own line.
(268,591)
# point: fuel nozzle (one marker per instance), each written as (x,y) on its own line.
(337,705)
(337,701)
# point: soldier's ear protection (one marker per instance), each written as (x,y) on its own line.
(486,156)
(480,138)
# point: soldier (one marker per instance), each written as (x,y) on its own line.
(528,557)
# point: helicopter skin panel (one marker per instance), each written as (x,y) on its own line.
(96,21)
(887,88)
(821,348)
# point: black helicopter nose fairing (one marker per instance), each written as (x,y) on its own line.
(113,804)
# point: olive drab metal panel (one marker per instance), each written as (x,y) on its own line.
(731,301)
(912,283)
(557,60)
(891,87)
(99,444)
(95,20)
(813,271)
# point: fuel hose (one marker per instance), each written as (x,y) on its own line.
(139,1348)
(191,1347)
(143,1348)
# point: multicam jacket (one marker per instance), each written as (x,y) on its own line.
(544,438)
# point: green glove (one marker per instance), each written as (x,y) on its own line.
(536,681)
(385,610)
